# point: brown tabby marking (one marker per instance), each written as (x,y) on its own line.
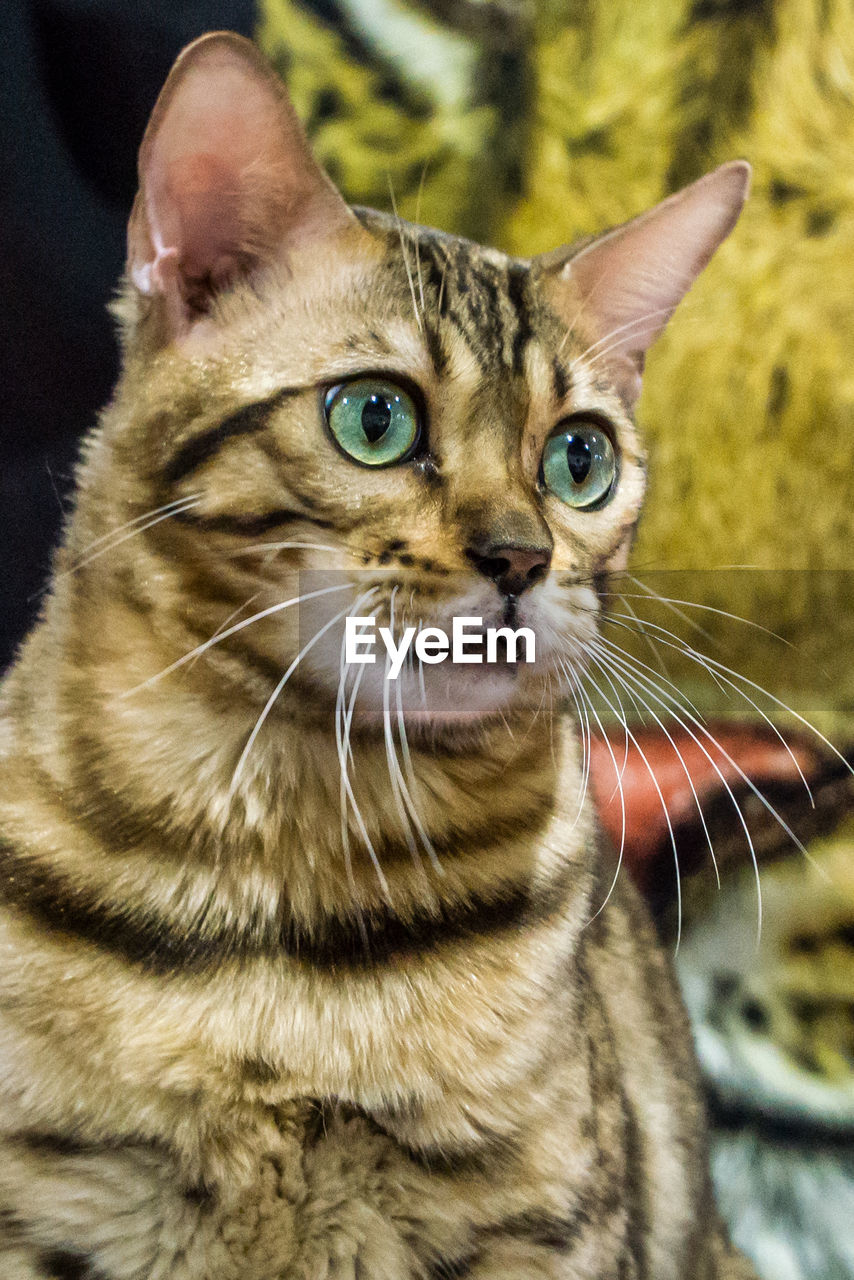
(293,990)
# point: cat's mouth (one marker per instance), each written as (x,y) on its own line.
(440,678)
(392,659)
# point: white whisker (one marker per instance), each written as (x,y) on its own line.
(395,777)
(342,739)
(402,786)
(721,674)
(235,613)
(412,786)
(409,277)
(668,703)
(584,732)
(274,696)
(441,291)
(706,608)
(666,813)
(619,777)
(656,655)
(238,626)
(710,737)
(615,621)
(551,720)
(422,687)
(257,547)
(621,717)
(417,241)
(342,750)
(155,511)
(174,509)
(603,660)
(626,330)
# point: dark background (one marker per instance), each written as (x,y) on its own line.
(78,79)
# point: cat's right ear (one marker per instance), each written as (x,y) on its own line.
(625,285)
(227,181)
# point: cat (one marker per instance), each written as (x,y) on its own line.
(296,985)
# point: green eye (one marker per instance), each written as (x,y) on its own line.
(579,464)
(374,422)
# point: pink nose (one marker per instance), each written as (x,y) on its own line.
(512,569)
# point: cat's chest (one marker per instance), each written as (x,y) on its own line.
(325,1192)
(303,1197)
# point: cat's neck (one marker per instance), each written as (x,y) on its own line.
(154,770)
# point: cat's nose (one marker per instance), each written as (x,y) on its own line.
(512,568)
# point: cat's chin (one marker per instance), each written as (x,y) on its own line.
(447,701)
(451,733)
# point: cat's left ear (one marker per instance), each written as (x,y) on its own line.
(227,182)
(622,288)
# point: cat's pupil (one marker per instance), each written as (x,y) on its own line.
(376,417)
(578,458)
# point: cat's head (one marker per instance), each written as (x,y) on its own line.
(383,417)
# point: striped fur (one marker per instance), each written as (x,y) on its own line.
(237,1040)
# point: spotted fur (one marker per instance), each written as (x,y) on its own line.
(248,1030)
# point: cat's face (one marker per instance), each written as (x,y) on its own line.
(383,420)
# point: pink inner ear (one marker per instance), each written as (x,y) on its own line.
(227,179)
(632,279)
(217,170)
(205,219)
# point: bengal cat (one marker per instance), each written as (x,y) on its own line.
(299,984)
